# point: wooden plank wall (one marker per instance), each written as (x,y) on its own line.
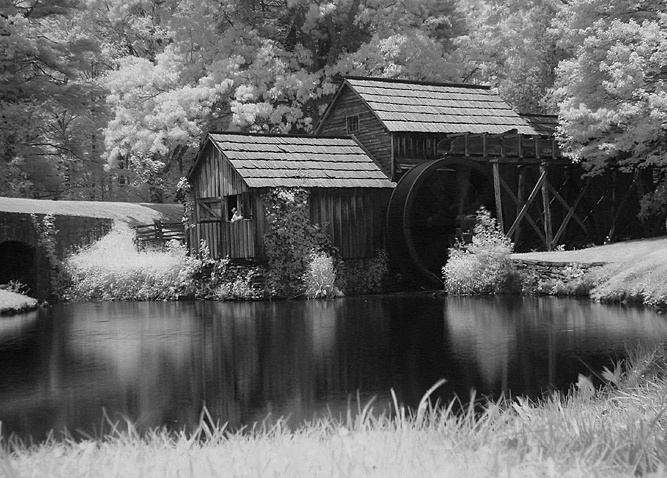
(215,178)
(235,240)
(353,218)
(375,138)
(411,149)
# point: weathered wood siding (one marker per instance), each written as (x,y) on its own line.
(235,240)
(353,218)
(375,138)
(411,149)
(215,179)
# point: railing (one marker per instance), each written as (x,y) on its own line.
(159,233)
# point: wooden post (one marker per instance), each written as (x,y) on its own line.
(498,194)
(521,198)
(548,232)
(393,160)
(524,209)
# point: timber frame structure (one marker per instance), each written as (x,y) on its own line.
(409,164)
(453,148)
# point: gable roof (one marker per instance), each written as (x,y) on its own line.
(421,107)
(306,161)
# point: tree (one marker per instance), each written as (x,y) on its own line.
(612,93)
(45,103)
(512,45)
(259,66)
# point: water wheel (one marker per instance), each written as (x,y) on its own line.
(431,206)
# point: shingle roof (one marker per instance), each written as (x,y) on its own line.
(543,124)
(307,161)
(419,107)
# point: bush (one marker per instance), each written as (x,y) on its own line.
(114,269)
(362,276)
(290,240)
(484,265)
(320,277)
(222,280)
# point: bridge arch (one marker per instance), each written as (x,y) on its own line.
(19,263)
(431,205)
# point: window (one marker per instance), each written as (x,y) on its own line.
(232,206)
(209,209)
(352,123)
(240,203)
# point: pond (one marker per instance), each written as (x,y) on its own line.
(78,367)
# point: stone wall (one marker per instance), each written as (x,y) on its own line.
(32,267)
(549,270)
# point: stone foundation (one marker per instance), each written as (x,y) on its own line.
(549,270)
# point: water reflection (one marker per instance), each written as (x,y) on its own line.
(158,364)
(13,327)
(530,345)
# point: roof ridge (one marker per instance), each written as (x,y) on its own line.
(417,82)
(278,135)
(538,115)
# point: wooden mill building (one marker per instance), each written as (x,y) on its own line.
(411,162)
(348,191)
(453,148)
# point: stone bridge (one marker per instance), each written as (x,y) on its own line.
(78,223)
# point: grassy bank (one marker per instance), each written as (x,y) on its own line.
(636,271)
(13,303)
(619,431)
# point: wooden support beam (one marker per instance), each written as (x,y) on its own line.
(519,205)
(521,193)
(567,206)
(571,213)
(531,197)
(497,192)
(548,232)
(621,206)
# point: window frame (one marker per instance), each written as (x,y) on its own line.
(352,124)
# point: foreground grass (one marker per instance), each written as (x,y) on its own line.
(612,433)
(13,303)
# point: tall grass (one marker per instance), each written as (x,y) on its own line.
(12,302)
(114,269)
(618,431)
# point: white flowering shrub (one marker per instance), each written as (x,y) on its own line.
(482,266)
(320,276)
(114,269)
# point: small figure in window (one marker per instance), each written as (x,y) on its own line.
(236,215)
